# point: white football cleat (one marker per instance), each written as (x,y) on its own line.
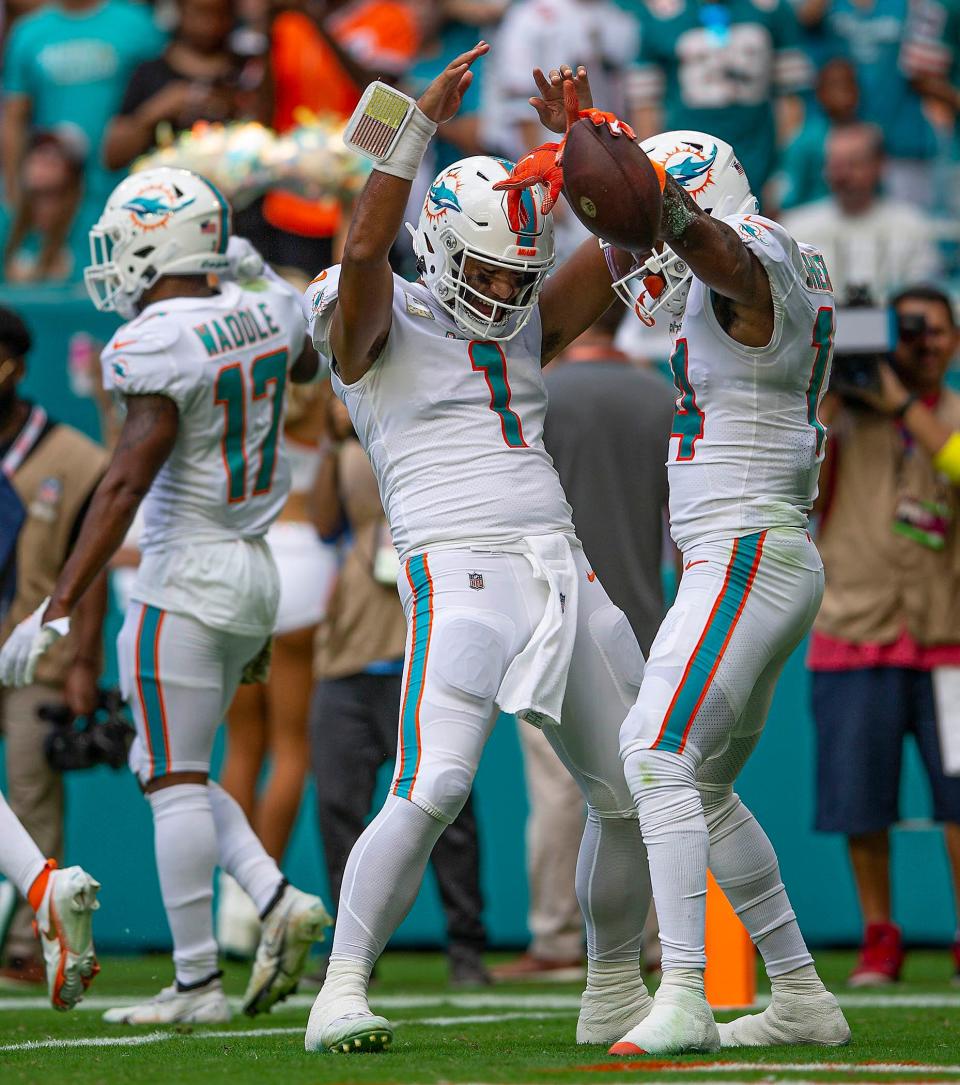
(794,1019)
(679,1022)
(206,1005)
(64,923)
(292,926)
(343,1024)
(606,1015)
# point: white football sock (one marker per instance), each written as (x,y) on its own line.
(241,854)
(745,865)
(675,833)
(185,841)
(613,888)
(20,858)
(801,982)
(381,879)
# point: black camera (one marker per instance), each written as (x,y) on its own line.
(102,738)
(864,338)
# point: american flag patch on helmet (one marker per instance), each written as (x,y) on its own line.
(377,121)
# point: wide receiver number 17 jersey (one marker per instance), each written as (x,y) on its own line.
(223,360)
(746,445)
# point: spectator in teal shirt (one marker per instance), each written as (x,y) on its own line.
(69,63)
(872,32)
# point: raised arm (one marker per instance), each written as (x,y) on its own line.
(361,321)
(720,260)
(146,440)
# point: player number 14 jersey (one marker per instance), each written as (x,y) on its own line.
(747,444)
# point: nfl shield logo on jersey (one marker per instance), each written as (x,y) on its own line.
(476,581)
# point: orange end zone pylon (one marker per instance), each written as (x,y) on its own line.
(731,976)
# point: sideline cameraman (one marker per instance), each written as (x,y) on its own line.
(48,472)
(887,640)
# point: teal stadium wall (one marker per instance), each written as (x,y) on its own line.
(109,832)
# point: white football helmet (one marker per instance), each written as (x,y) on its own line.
(710,172)
(160,222)
(463,218)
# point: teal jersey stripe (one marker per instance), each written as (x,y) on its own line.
(418,574)
(702,665)
(148,685)
(823,341)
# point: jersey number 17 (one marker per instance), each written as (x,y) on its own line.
(268,378)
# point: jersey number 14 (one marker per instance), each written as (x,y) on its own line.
(268,378)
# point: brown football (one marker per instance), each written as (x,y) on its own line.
(611,186)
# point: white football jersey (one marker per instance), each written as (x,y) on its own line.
(453,427)
(746,445)
(224,361)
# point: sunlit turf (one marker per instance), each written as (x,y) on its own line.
(509,1033)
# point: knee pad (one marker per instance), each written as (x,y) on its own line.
(664,788)
(442,786)
(619,649)
(469,657)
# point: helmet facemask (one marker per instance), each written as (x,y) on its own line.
(661,282)
(469,306)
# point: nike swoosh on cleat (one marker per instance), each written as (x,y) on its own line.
(126,343)
(623,1047)
(690,564)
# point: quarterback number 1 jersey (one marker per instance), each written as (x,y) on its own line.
(224,361)
(747,444)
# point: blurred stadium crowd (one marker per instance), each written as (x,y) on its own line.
(843,112)
(845,116)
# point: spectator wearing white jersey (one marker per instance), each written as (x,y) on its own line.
(872,244)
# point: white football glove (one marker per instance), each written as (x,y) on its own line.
(246,263)
(26,644)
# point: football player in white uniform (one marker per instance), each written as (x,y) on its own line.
(751,311)
(202,371)
(442,381)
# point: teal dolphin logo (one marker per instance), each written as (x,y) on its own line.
(154,205)
(692,169)
(443,198)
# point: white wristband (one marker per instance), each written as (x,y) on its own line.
(390,129)
(407,154)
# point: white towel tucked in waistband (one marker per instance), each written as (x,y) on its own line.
(536,680)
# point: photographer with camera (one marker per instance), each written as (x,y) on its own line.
(885,651)
(48,472)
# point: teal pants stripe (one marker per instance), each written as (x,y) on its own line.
(418,575)
(150,691)
(706,656)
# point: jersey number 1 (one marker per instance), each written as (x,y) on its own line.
(268,377)
(488,358)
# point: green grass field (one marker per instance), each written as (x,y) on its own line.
(509,1033)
